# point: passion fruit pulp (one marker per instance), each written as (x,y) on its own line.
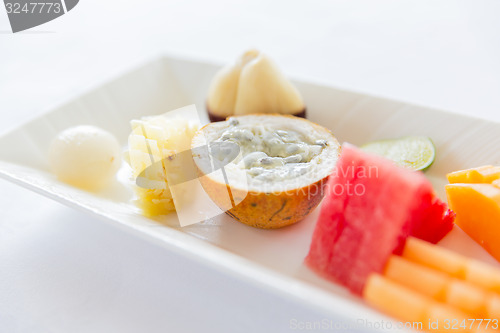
(285,160)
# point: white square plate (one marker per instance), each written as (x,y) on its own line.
(272,259)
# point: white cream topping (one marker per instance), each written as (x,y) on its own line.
(270,154)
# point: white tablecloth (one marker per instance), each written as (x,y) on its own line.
(61,271)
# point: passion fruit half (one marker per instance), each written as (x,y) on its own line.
(285,162)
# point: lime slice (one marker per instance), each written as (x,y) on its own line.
(414,152)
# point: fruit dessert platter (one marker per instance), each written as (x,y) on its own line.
(377,218)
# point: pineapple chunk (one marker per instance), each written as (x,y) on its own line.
(152,140)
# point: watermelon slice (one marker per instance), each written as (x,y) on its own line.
(370,208)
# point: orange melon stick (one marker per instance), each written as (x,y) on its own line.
(478,213)
(443,288)
(484,174)
(409,306)
(451,263)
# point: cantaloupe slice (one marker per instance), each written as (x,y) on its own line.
(407,305)
(419,278)
(472,299)
(453,264)
(442,287)
(484,174)
(483,275)
(435,257)
(494,307)
(478,213)
(394,299)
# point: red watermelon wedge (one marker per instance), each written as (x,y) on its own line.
(370,208)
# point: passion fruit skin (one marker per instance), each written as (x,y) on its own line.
(214,117)
(266,210)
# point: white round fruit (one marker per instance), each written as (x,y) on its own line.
(85,156)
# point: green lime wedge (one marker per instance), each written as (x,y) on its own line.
(414,152)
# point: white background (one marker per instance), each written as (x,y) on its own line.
(61,271)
